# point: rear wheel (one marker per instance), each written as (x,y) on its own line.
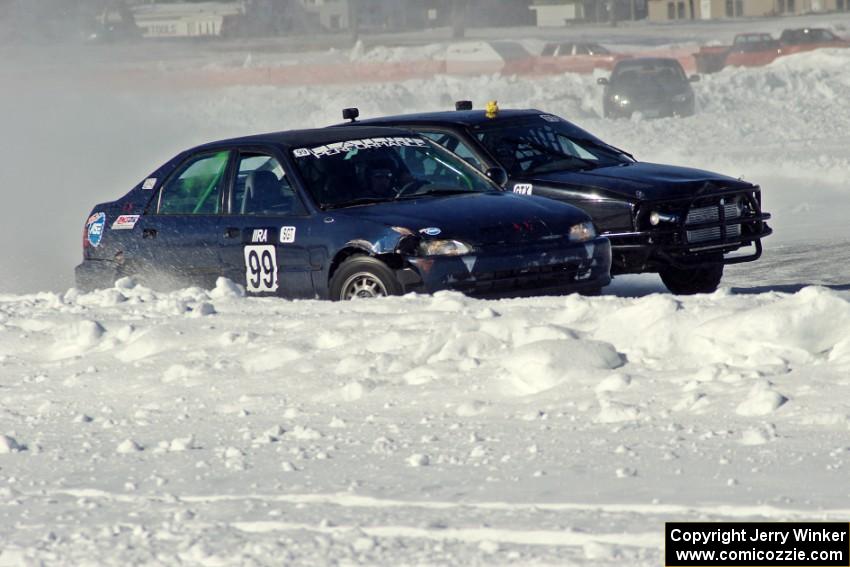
(363,277)
(688,281)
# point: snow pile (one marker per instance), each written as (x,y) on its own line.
(271,419)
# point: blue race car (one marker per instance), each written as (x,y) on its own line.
(338,213)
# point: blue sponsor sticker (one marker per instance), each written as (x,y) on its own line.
(431,231)
(95,228)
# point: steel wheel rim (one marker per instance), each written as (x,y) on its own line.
(363,285)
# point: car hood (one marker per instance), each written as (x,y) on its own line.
(479,218)
(640,181)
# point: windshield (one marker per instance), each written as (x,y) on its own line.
(808,36)
(645,73)
(372,170)
(546,146)
(753,38)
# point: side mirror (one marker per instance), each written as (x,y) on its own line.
(694,78)
(497,175)
(602,81)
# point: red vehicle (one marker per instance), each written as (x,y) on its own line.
(808,39)
(748,50)
(576,57)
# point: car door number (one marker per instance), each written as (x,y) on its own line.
(260,268)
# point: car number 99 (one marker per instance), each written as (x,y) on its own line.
(260,268)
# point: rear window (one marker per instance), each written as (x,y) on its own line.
(197,186)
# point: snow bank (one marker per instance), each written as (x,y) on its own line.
(267,409)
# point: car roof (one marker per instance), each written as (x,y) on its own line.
(306,138)
(465,117)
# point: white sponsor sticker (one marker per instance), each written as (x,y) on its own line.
(550,118)
(356,145)
(287,234)
(125,222)
(430,231)
(260,269)
(149,183)
(523,188)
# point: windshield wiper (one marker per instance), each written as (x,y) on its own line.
(553,152)
(436,191)
(355,202)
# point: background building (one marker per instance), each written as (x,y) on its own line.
(665,10)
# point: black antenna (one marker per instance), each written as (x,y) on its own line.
(350,114)
(463,105)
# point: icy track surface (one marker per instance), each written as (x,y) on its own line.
(206,428)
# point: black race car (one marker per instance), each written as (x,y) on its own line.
(655,87)
(338,214)
(682,223)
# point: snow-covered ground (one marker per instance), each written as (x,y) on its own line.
(205,428)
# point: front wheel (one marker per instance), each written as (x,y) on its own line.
(688,281)
(363,277)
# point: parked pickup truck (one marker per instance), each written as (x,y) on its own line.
(808,39)
(748,50)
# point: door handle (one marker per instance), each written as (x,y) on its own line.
(232,232)
(149,233)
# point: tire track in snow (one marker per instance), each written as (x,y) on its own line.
(466,535)
(347,500)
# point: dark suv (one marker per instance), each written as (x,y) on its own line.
(683,223)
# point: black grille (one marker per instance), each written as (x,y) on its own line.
(720,212)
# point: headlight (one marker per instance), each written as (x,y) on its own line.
(655,218)
(582,232)
(681,97)
(444,248)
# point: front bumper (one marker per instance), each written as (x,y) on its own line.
(664,109)
(674,244)
(513,271)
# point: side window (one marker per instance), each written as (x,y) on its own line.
(262,187)
(197,186)
(454,144)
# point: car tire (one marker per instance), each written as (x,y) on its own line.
(363,277)
(688,281)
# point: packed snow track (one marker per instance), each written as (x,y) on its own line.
(209,428)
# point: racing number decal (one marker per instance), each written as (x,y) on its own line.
(260,268)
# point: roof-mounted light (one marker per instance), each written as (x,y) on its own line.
(463,105)
(350,114)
